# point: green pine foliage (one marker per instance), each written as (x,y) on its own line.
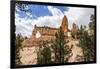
(18,46)
(44,54)
(87,41)
(60,47)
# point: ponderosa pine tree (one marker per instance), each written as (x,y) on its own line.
(87,41)
(18,47)
(44,54)
(60,47)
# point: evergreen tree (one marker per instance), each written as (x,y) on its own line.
(87,41)
(44,54)
(18,46)
(60,48)
(84,43)
(92,36)
(39,56)
(92,25)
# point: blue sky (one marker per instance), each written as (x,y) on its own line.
(39,10)
(51,16)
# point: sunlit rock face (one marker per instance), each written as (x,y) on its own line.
(38,34)
(64,24)
(74,27)
(69,34)
(42,34)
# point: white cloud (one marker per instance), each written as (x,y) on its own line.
(54,11)
(81,16)
(51,21)
(17,9)
(29,14)
(23,25)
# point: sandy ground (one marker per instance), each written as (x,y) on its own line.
(28,56)
(77,51)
